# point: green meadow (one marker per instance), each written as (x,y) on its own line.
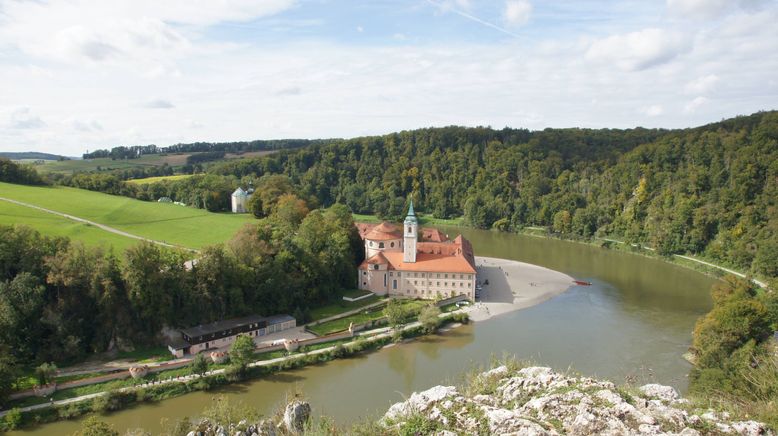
(179,225)
(54,225)
(148,180)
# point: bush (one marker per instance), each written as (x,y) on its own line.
(13,419)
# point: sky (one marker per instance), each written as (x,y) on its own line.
(80,75)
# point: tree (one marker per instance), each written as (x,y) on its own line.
(44,372)
(199,365)
(93,426)
(429,317)
(396,312)
(8,375)
(242,352)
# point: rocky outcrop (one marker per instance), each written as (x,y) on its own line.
(539,401)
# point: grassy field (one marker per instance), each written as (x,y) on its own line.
(340,307)
(341,324)
(184,226)
(149,160)
(107,164)
(53,225)
(148,180)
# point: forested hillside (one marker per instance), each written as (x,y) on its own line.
(709,190)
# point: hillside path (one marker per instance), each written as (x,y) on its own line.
(92,223)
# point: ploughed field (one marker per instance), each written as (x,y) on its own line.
(179,225)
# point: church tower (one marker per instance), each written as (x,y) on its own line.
(410,235)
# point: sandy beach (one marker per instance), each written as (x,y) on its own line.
(513,286)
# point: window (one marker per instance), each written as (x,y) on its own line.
(438,283)
(380,245)
(399,273)
(391,274)
(364,283)
(410,230)
(394,284)
(391,244)
(364,273)
(375,266)
(446,276)
(371,243)
(445,284)
(414,282)
(438,276)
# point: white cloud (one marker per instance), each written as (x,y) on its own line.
(158,104)
(139,31)
(23,118)
(701,85)
(709,9)
(86,126)
(695,104)
(639,50)
(360,29)
(517,12)
(653,110)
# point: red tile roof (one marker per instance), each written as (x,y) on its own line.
(384,232)
(451,257)
(431,234)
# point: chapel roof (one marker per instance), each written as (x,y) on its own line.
(384,232)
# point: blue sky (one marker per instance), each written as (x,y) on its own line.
(86,74)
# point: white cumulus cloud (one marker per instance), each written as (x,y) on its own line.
(695,104)
(701,85)
(639,50)
(517,12)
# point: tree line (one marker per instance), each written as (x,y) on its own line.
(136,151)
(61,300)
(12,172)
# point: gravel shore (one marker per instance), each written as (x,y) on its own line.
(514,285)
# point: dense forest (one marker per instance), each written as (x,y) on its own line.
(60,300)
(736,362)
(12,172)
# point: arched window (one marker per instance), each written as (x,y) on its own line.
(410,230)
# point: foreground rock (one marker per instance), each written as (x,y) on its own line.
(539,401)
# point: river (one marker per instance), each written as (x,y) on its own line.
(635,320)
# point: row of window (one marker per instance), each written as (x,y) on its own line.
(381,244)
(437,275)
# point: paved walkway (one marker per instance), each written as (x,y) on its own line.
(92,223)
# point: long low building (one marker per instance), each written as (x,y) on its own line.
(397,263)
(222,334)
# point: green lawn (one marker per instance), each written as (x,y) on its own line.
(340,307)
(359,318)
(54,225)
(148,180)
(184,226)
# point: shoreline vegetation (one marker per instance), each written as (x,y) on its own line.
(183,380)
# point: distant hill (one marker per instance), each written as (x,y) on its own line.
(33,155)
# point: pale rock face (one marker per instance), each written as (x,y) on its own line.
(539,401)
(296,415)
(664,393)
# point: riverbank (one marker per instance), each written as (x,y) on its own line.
(684,261)
(509,285)
(152,391)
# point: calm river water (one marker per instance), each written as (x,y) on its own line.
(635,319)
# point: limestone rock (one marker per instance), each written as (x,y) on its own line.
(664,393)
(296,416)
